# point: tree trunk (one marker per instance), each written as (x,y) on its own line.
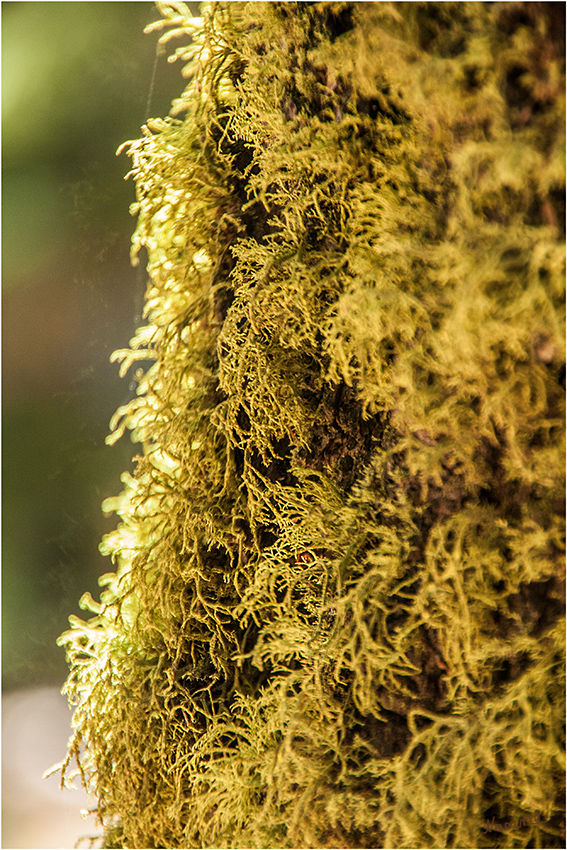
(337,616)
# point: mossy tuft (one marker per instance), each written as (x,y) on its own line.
(337,612)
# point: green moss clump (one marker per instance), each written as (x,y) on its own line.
(337,615)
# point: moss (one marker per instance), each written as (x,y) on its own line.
(338,607)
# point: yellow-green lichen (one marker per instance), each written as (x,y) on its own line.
(337,615)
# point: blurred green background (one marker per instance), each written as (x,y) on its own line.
(76,79)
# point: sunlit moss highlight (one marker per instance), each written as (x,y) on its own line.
(337,612)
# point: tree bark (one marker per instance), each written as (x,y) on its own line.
(337,616)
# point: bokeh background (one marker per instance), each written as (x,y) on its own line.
(78,79)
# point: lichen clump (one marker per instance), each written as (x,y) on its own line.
(337,615)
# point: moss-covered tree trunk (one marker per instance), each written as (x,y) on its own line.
(337,613)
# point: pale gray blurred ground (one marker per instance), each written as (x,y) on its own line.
(36,812)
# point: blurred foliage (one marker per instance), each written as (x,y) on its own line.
(76,81)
